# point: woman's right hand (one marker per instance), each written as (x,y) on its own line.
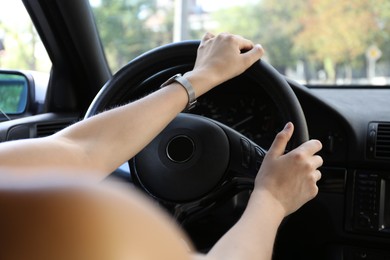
(291,179)
(221,58)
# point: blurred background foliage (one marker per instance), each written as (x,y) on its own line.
(319,37)
(316,40)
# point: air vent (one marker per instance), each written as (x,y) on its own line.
(379,141)
(46,129)
(383,141)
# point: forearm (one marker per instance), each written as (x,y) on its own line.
(253,236)
(115,136)
(97,146)
(102,143)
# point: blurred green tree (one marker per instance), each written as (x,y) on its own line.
(336,32)
(323,34)
(271,23)
(129,28)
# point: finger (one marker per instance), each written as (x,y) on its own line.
(317,161)
(317,175)
(239,41)
(244,44)
(280,142)
(311,147)
(207,37)
(254,54)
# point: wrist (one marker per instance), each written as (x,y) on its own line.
(202,82)
(186,85)
(262,198)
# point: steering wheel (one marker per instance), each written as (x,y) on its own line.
(196,162)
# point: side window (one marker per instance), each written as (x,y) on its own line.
(20,45)
(21,49)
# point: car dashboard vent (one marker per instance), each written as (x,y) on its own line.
(46,129)
(379,141)
(383,141)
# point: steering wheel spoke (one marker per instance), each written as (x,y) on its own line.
(246,156)
(189,212)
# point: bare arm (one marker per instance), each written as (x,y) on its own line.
(68,219)
(77,220)
(97,146)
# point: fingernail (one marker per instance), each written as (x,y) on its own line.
(287,126)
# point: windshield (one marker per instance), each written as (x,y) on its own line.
(316,42)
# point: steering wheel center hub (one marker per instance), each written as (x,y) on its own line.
(180,149)
(185,161)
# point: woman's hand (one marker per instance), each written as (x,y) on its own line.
(290,178)
(284,183)
(221,58)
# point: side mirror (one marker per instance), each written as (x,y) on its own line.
(16,93)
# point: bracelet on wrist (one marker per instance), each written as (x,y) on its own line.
(186,85)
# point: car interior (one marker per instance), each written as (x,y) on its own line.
(349,218)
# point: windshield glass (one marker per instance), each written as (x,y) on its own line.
(316,42)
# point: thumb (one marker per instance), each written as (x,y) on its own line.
(280,142)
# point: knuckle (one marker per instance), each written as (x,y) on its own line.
(313,178)
(299,157)
(307,166)
(319,175)
(203,45)
(320,159)
(227,37)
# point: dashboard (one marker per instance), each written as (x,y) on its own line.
(353,125)
(245,107)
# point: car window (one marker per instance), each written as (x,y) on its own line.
(318,42)
(20,45)
(21,49)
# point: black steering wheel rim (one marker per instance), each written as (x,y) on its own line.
(148,71)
